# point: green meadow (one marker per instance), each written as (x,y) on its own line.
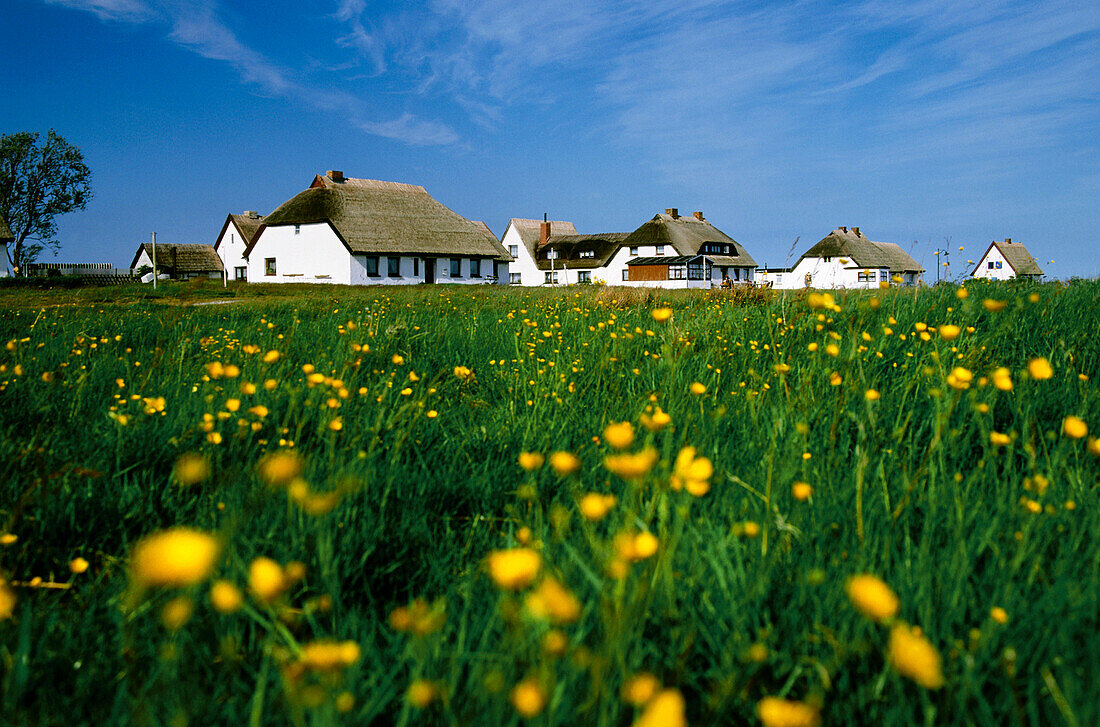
(379,531)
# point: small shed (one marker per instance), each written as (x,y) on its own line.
(180,261)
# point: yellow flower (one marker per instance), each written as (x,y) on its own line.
(1040,369)
(595,506)
(691,473)
(1094,446)
(565,463)
(631,466)
(271,357)
(7,600)
(514,569)
(530,461)
(421,693)
(664,710)
(225,597)
(1002,379)
(776,712)
(528,697)
(961,293)
(1074,427)
(266,579)
(336,424)
(329,655)
(554,602)
(177,612)
(873,598)
(913,656)
(960,378)
(78,565)
(175,557)
(818,301)
(397,359)
(999,440)
(658,421)
(994,306)
(192,468)
(464,374)
(279,468)
(949,332)
(871,395)
(8,538)
(619,435)
(645,545)
(698,389)
(661,314)
(801,491)
(640,688)
(998,614)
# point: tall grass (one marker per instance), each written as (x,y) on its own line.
(744,597)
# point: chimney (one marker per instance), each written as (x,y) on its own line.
(672,212)
(544,233)
(250,214)
(1008,240)
(843,229)
(856,230)
(335,175)
(697,215)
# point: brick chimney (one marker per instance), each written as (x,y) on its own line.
(856,230)
(672,212)
(250,214)
(1008,240)
(697,215)
(335,175)
(544,233)
(843,229)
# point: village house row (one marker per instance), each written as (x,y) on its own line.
(363,231)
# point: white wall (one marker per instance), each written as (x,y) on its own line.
(230,247)
(412,271)
(830,275)
(314,255)
(524,264)
(1005,272)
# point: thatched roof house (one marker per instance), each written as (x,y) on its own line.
(5,232)
(853,245)
(374,217)
(1014,254)
(690,236)
(179,260)
(579,252)
(247,224)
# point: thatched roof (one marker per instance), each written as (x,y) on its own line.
(569,248)
(372,217)
(529,231)
(247,224)
(5,231)
(850,243)
(1017,256)
(687,235)
(182,258)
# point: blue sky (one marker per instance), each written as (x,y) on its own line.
(943,123)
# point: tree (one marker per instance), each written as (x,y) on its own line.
(38,182)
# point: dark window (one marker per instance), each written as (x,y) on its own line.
(240,273)
(514,278)
(990,265)
(660,249)
(676,272)
(586,253)
(475,267)
(865,277)
(826,259)
(698,270)
(456,267)
(550,278)
(372,266)
(626,273)
(297,229)
(269,266)
(584,276)
(416,266)
(393,267)
(633,251)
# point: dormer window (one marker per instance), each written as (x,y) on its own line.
(826,259)
(586,253)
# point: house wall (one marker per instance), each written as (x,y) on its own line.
(314,255)
(230,247)
(1004,272)
(832,274)
(412,271)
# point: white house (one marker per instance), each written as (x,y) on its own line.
(365,231)
(178,261)
(235,237)
(845,258)
(553,253)
(1007,260)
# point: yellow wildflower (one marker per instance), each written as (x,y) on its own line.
(801,491)
(960,378)
(554,602)
(1002,379)
(329,655)
(871,395)
(280,468)
(530,461)
(266,579)
(619,435)
(225,597)
(1040,369)
(998,614)
(913,656)
(528,697)
(464,374)
(661,314)
(565,463)
(949,332)
(7,600)
(271,357)
(994,306)
(632,466)
(78,565)
(998,439)
(776,712)
(658,421)
(421,693)
(192,468)
(872,597)
(175,557)
(692,473)
(176,613)
(1074,427)
(664,710)
(595,506)
(698,389)
(514,569)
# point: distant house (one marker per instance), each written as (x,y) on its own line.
(553,253)
(365,231)
(178,261)
(236,235)
(1007,260)
(845,258)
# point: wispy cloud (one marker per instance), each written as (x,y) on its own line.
(119,10)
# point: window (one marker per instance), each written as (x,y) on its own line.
(584,276)
(551,278)
(372,266)
(513,250)
(660,249)
(626,273)
(865,277)
(697,270)
(269,266)
(514,278)
(884,275)
(475,267)
(725,249)
(998,264)
(677,272)
(240,273)
(990,265)
(634,252)
(586,253)
(826,259)
(297,229)
(416,266)
(393,267)
(456,267)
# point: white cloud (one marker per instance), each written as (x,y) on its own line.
(119,10)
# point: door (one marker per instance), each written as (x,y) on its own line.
(429,270)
